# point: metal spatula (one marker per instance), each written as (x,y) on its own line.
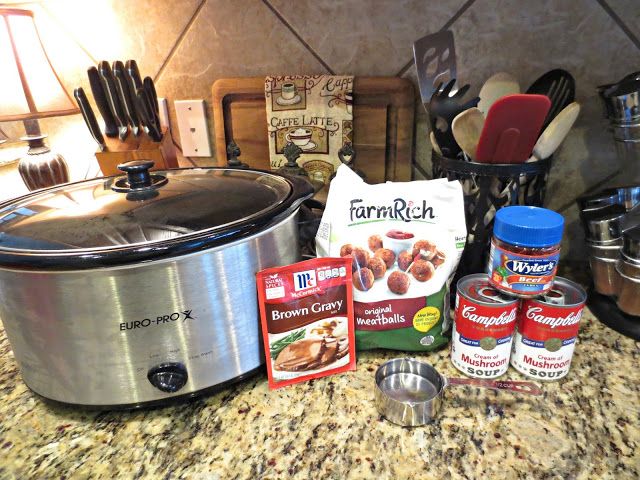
(435,58)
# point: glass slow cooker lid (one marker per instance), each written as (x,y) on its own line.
(162,206)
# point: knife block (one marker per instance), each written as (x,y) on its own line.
(162,153)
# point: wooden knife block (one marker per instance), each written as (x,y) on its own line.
(162,153)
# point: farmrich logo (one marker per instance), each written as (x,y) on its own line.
(398,209)
(469,312)
(533,313)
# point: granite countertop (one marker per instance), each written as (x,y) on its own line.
(585,426)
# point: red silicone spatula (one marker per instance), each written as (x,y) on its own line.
(522,112)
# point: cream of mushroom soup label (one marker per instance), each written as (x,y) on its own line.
(483,327)
(547,331)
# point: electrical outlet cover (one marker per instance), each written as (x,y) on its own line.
(192,125)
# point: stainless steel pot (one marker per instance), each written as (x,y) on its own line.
(602,260)
(126,291)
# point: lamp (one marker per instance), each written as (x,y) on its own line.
(30,89)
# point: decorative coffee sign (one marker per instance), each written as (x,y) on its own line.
(312,112)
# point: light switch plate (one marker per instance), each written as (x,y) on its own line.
(192,125)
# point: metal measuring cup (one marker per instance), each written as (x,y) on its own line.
(409,392)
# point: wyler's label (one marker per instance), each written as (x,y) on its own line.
(483,328)
(547,331)
(525,250)
(522,274)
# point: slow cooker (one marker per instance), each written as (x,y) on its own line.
(133,290)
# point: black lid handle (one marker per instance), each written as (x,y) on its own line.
(138,177)
(137,173)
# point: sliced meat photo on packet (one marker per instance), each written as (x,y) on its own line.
(306,312)
(404,240)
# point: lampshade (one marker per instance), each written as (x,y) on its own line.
(29,86)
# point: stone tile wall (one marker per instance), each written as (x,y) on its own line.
(185,45)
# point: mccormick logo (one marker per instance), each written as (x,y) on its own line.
(533,313)
(531,267)
(503,319)
(399,209)
(304,280)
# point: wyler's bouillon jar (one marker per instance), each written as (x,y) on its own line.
(525,250)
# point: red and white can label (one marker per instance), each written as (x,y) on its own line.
(482,335)
(545,339)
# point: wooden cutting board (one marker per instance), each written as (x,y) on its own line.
(382,124)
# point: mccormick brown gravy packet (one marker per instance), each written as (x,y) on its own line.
(405,240)
(306,310)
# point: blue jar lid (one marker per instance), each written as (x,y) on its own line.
(528,226)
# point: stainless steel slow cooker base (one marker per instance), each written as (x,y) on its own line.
(165,402)
(143,332)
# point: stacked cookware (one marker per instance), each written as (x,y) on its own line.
(612,227)
(621,102)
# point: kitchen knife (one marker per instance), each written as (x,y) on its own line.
(89,117)
(109,84)
(151,93)
(135,80)
(110,127)
(147,115)
(122,84)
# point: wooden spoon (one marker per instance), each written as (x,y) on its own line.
(466,128)
(556,131)
(497,86)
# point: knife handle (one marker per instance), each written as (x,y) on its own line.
(89,117)
(134,75)
(124,92)
(109,83)
(147,115)
(110,127)
(151,93)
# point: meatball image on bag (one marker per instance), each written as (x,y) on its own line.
(404,260)
(386,255)
(360,258)
(398,282)
(346,250)
(375,242)
(422,270)
(377,266)
(426,248)
(439,258)
(363,279)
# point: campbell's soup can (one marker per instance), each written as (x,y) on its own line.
(483,328)
(547,331)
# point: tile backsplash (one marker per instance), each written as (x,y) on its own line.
(185,45)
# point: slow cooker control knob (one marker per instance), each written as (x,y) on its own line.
(168,377)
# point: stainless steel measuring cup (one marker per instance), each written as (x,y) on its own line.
(409,392)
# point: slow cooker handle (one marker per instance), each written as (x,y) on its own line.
(302,190)
(138,177)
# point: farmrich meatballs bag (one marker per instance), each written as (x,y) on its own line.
(405,240)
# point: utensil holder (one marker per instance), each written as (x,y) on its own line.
(162,153)
(487,188)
